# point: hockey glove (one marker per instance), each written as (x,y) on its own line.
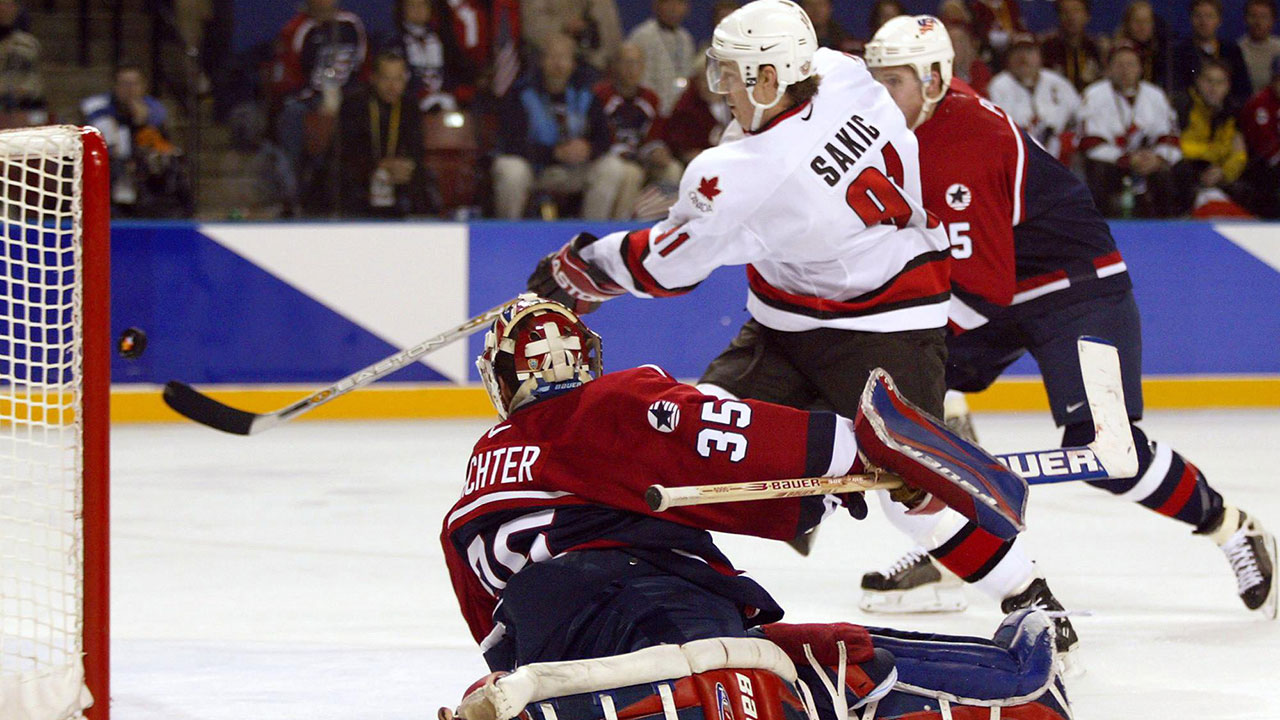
(856,504)
(569,279)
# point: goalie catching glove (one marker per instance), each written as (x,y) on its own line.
(569,279)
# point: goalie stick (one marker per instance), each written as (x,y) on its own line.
(1110,454)
(195,405)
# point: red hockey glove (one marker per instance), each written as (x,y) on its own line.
(566,277)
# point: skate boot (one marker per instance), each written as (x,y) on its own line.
(913,584)
(1251,550)
(957,418)
(1037,594)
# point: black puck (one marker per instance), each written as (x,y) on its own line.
(132,343)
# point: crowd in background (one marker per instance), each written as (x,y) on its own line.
(547,108)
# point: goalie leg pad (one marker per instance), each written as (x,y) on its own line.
(899,437)
(711,679)
(1013,671)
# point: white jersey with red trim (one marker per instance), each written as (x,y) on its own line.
(824,206)
(1048,111)
(1113,125)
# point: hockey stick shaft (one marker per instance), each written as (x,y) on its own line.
(192,404)
(660,498)
(1049,466)
(1111,454)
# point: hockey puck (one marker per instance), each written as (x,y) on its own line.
(132,343)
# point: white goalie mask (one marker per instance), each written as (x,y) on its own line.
(920,42)
(540,347)
(764,32)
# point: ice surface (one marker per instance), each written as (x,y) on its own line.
(298,574)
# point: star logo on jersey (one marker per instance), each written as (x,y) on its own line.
(664,416)
(959,197)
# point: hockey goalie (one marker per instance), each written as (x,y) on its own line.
(586,604)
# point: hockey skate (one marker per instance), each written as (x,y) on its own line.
(957,418)
(1038,595)
(913,584)
(1251,550)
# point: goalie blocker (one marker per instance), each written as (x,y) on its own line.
(795,672)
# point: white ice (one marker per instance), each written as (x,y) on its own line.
(298,574)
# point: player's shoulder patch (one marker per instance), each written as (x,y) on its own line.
(663,416)
(719,176)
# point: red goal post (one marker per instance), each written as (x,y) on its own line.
(55,198)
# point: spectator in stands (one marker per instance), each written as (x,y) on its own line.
(1213,150)
(272,188)
(720,9)
(320,53)
(21,86)
(954,12)
(994,23)
(967,65)
(555,141)
(699,118)
(1040,101)
(1129,140)
(1260,124)
(149,177)
(882,11)
(1140,27)
(668,50)
(380,147)
(1069,50)
(437,66)
(830,33)
(487,32)
(593,24)
(1259,45)
(635,127)
(1204,44)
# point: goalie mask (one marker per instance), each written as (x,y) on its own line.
(764,32)
(921,43)
(538,347)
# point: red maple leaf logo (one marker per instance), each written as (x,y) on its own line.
(708,188)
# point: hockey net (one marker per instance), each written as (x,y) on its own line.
(54,380)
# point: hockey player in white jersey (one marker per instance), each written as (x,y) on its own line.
(820,199)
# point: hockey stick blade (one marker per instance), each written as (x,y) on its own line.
(1112,453)
(194,405)
(190,403)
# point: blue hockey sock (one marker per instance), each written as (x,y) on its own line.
(1166,482)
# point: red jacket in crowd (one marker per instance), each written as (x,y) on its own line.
(1260,123)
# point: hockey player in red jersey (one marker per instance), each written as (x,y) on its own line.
(555,557)
(820,200)
(1035,268)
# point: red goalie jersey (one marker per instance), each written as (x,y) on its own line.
(568,474)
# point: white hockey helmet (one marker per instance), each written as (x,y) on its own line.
(763,32)
(540,347)
(920,42)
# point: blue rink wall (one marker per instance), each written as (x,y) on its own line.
(261,313)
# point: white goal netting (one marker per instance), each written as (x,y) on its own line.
(41,359)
